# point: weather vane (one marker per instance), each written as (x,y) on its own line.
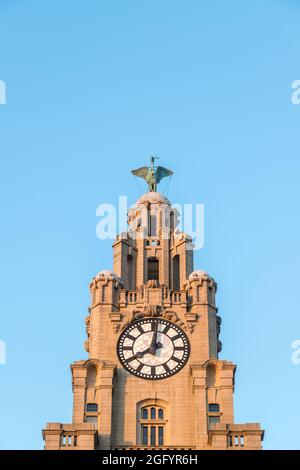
(152,174)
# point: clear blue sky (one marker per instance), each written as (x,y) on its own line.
(93,88)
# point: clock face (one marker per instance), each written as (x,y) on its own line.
(153,348)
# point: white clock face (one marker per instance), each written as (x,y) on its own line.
(153,348)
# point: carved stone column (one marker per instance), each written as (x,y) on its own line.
(199,390)
(105,389)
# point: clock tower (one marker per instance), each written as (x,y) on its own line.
(153,378)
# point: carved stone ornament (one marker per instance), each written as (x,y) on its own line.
(153,283)
(156,311)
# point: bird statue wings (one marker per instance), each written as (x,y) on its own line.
(162,172)
(141,172)
(152,174)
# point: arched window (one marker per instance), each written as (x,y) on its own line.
(153,269)
(211,375)
(152,426)
(91,375)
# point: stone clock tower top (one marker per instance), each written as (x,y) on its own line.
(153,378)
(153,249)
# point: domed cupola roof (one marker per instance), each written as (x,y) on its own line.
(198,275)
(107,273)
(201,276)
(152,197)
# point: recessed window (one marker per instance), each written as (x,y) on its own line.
(152,426)
(172,221)
(145,435)
(176,273)
(213,414)
(214,407)
(153,225)
(92,371)
(92,419)
(212,420)
(160,435)
(92,407)
(153,269)
(153,436)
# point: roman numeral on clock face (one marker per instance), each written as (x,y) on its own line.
(176,337)
(130,359)
(166,329)
(175,359)
(139,367)
(140,329)
(131,337)
(167,368)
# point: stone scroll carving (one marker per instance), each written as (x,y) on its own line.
(155,311)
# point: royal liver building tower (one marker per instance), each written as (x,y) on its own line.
(153,379)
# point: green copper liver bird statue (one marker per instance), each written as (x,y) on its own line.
(152,174)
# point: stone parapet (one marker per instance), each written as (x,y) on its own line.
(246,436)
(59,436)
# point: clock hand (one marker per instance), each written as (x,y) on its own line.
(154,339)
(141,353)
